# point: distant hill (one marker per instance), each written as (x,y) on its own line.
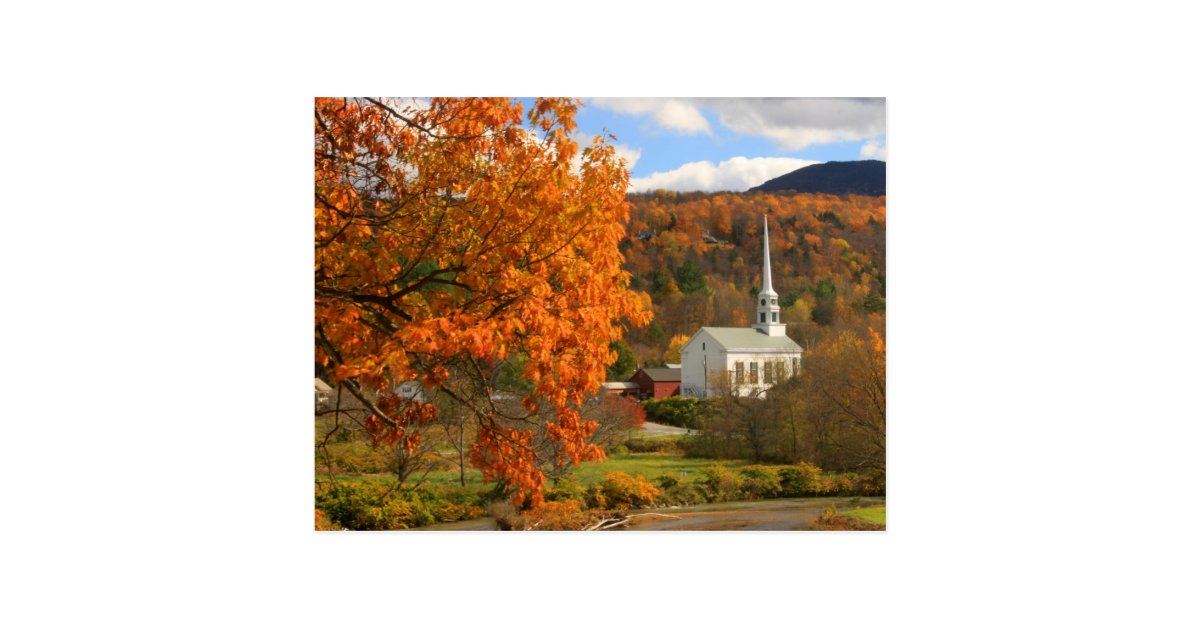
(866,177)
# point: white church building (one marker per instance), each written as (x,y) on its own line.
(747,360)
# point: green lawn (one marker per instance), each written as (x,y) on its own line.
(875,514)
(648,465)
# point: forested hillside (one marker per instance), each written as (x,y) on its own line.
(862,177)
(699,257)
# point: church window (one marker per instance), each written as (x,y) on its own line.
(762,302)
(739,372)
(754,371)
(795,366)
(774,301)
(762,318)
(768,373)
(774,317)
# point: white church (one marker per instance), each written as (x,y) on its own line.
(747,360)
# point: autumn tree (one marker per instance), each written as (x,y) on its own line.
(844,386)
(452,235)
(674,347)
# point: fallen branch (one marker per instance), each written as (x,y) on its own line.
(610,523)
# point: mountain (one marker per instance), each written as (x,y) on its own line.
(866,177)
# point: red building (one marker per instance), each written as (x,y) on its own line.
(657,382)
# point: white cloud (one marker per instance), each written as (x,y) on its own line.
(629,154)
(683,117)
(795,123)
(735,174)
(675,114)
(872,150)
(792,123)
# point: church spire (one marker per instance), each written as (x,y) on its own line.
(768,301)
(766,274)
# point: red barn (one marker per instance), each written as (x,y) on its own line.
(657,382)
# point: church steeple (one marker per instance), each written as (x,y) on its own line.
(768,301)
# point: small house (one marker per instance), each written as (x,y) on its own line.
(657,382)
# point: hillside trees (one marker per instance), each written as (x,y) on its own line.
(452,237)
(827,257)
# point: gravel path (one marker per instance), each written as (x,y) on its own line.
(653,428)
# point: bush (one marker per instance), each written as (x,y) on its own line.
(720,484)
(323,524)
(565,488)
(457,512)
(800,480)
(674,410)
(684,494)
(842,485)
(760,482)
(653,445)
(667,481)
(622,412)
(619,491)
(368,505)
(874,485)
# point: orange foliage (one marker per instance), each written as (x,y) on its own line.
(815,238)
(674,346)
(449,236)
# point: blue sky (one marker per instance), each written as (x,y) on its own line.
(732,143)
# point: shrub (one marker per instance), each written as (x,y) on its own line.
(558,515)
(684,494)
(622,412)
(760,482)
(323,524)
(348,506)
(457,512)
(845,485)
(874,485)
(619,490)
(653,445)
(800,480)
(565,488)
(720,483)
(369,505)
(674,410)
(667,481)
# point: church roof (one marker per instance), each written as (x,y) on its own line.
(662,375)
(750,339)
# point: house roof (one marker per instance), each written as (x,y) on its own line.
(619,385)
(663,375)
(750,339)
(321,386)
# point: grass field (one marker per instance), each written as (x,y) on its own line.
(875,514)
(648,465)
